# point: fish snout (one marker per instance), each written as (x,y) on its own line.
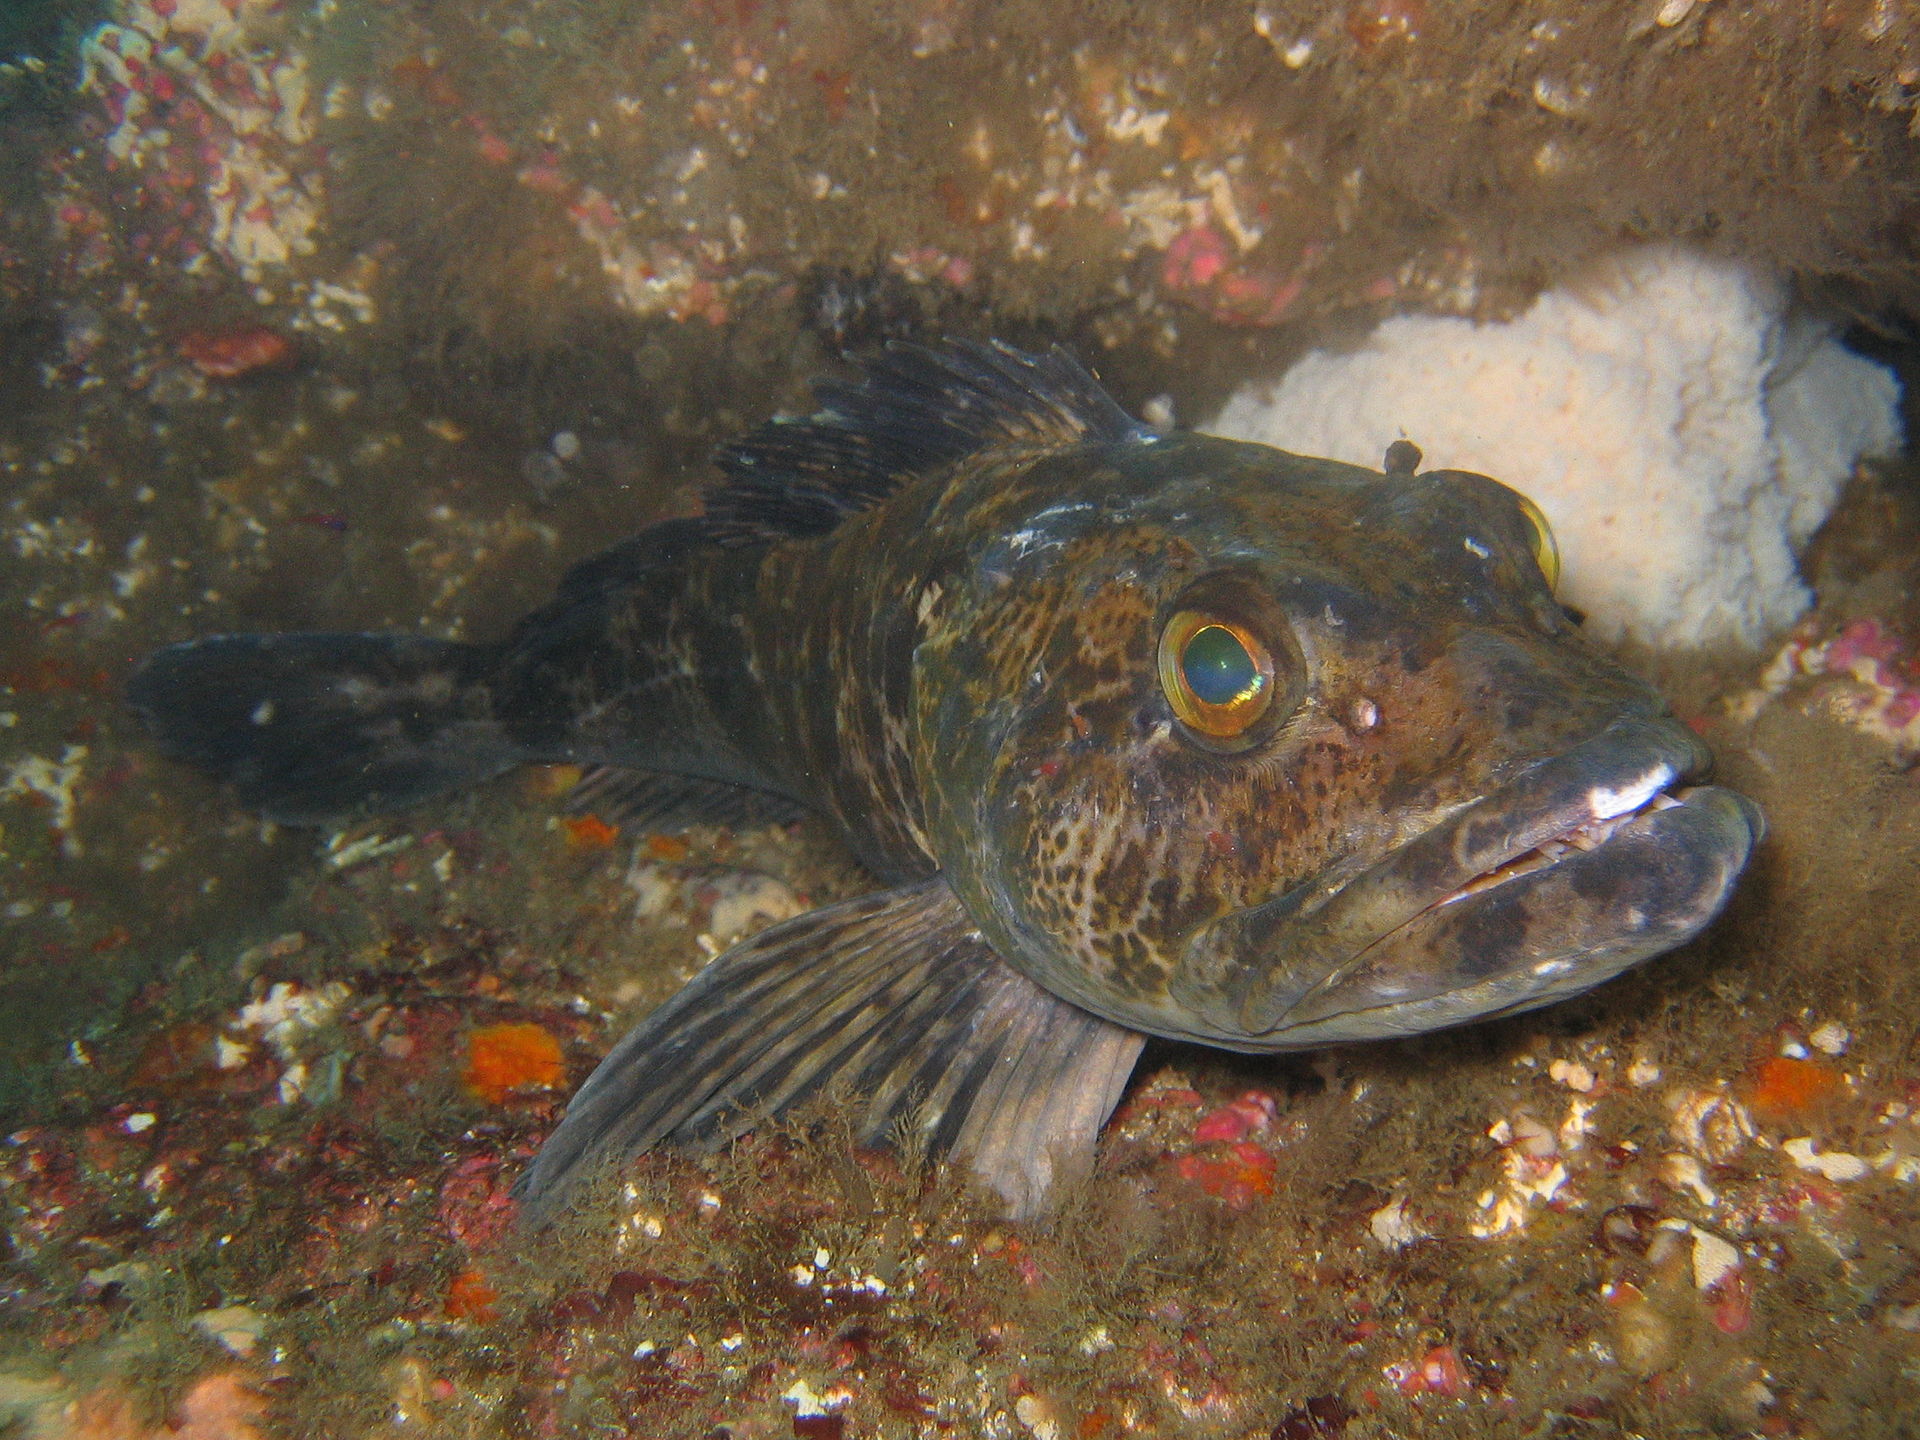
(1583,866)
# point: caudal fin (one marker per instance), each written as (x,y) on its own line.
(312,728)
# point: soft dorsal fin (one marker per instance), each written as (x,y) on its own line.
(906,412)
(641,800)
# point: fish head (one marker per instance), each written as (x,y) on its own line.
(1269,752)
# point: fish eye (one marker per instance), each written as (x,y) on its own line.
(1546,550)
(1217,674)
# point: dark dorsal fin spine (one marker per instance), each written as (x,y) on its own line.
(906,413)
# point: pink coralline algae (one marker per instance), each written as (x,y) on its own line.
(1234,1168)
(475,1207)
(212,129)
(1199,267)
(1251,1113)
(1868,675)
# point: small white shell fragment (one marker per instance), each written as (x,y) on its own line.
(237,1327)
(1572,1074)
(1537,1180)
(1530,1180)
(1532,1138)
(1643,1073)
(1037,1415)
(1672,13)
(746,901)
(1668,1236)
(1506,1214)
(341,853)
(1904,1168)
(1684,1172)
(289,1010)
(1836,1165)
(1713,1258)
(1096,1341)
(1831,1038)
(1393,1227)
(805,1400)
(1711,1123)
(1578,1124)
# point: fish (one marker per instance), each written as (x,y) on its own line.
(1138,734)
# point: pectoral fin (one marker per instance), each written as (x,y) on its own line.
(893,998)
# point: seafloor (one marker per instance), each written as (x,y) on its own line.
(354,315)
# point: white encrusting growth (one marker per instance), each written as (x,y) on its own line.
(1683,428)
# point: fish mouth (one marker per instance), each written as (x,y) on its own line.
(1583,865)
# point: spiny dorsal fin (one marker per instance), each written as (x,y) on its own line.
(907,412)
(893,999)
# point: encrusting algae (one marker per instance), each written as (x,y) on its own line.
(505,1060)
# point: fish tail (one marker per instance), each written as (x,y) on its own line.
(318,727)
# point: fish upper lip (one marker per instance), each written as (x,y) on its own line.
(1571,802)
(1590,830)
(1582,823)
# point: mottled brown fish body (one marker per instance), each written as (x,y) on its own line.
(1147,734)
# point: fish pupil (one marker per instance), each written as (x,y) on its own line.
(1217,667)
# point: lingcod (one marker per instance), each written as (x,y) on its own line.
(1139,734)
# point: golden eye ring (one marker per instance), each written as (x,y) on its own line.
(1546,550)
(1216,674)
